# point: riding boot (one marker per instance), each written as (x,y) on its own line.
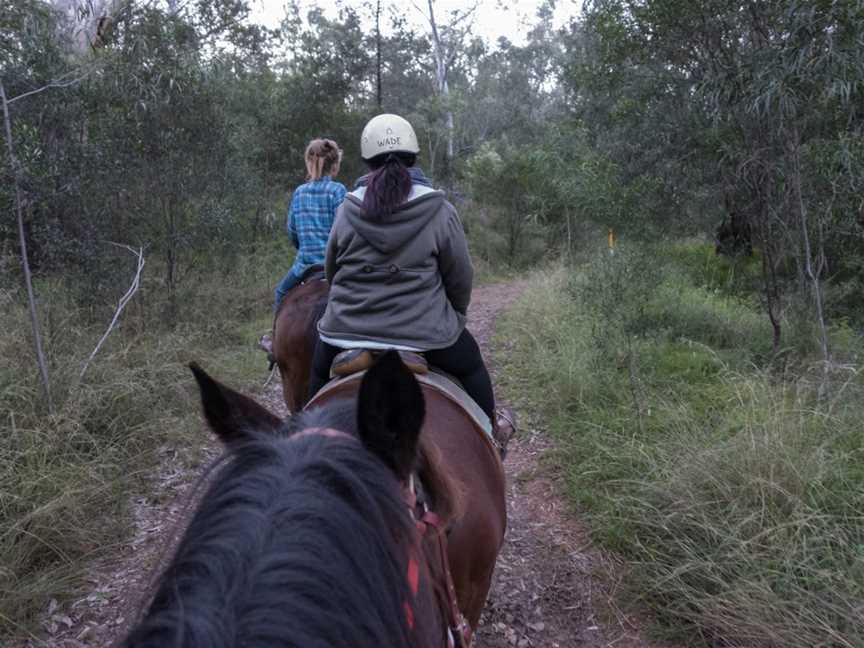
(503,429)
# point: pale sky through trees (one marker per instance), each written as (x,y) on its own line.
(510,18)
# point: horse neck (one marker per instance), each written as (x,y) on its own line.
(308,540)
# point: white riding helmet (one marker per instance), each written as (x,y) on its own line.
(387,134)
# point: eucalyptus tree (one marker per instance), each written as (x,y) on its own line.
(731,101)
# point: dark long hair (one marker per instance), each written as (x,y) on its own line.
(388,184)
(298,542)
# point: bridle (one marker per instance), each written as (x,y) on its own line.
(429,526)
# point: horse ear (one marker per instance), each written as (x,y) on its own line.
(390,413)
(231,415)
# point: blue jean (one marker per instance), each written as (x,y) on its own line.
(288,282)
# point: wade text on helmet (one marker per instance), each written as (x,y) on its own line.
(387,133)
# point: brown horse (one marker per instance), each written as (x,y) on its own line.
(294,338)
(472,460)
(308,533)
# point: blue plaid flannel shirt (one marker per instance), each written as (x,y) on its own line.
(310,218)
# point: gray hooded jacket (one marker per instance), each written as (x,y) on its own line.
(404,281)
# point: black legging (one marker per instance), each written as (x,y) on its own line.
(462,359)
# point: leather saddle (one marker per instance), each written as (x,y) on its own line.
(354,361)
(350,364)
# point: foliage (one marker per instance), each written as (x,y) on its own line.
(67,480)
(723,107)
(516,188)
(733,494)
(182,128)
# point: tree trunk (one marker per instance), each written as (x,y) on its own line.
(812,277)
(378,53)
(771,292)
(170,220)
(25,263)
(441,84)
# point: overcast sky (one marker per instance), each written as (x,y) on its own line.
(494,18)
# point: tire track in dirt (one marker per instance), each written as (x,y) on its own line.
(545,592)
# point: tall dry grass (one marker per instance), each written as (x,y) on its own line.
(733,486)
(66,479)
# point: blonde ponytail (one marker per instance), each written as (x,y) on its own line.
(322,158)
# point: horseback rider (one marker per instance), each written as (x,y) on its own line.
(313,208)
(399,270)
(310,218)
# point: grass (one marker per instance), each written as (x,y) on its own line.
(66,478)
(734,492)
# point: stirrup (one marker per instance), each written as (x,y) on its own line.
(504,428)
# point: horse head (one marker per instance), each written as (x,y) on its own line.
(386,418)
(303,537)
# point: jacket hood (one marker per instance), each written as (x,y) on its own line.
(404,224)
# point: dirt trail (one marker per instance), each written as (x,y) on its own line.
(546,592)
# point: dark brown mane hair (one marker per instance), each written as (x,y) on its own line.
(446,493)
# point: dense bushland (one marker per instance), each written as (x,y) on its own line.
(719,394)
(178,129)
(67,478)
(746,113)
(728,478)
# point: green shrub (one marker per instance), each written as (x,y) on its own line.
(703,267)
(734,494)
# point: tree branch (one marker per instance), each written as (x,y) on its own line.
(422,11)
(53,84)
(136,282)
(463,16)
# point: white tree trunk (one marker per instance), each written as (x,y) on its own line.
(82,20)
(812,277)
(25,263)
(441,58)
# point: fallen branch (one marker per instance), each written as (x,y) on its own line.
(136,282)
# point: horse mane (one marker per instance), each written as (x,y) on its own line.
(297,542)
(446,493)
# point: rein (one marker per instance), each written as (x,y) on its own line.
(428,523)
(429,526)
